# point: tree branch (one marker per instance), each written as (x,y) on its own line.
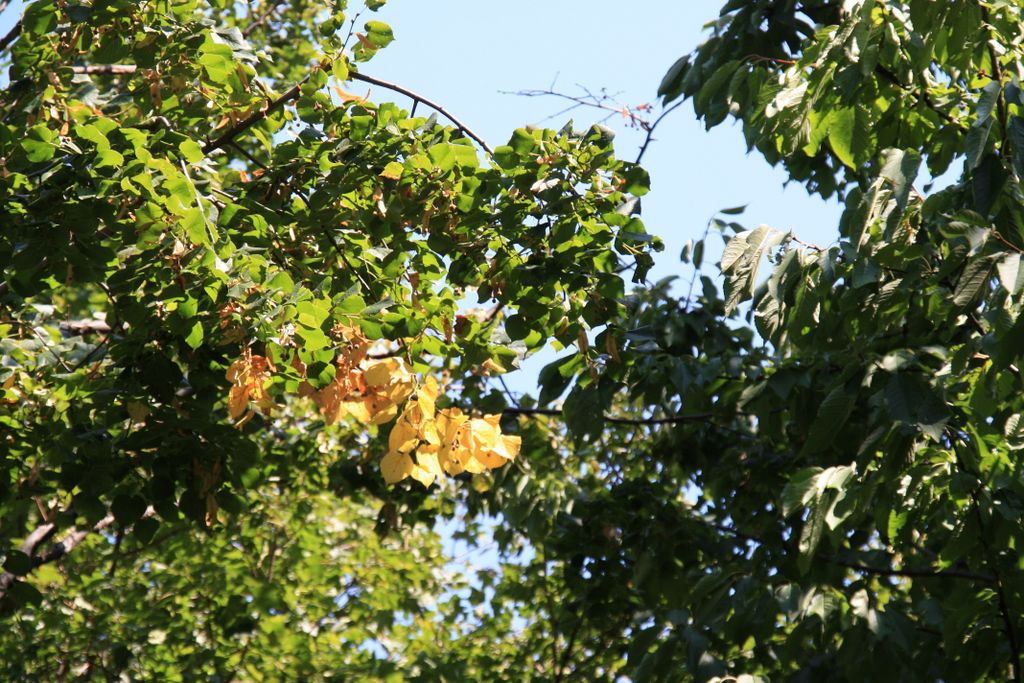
(672,419)
(914,573)
(104,69)
(292,93)
(921,96)
(54,552)
(1004,606)
(867,569)
(997,76)
(11,35)
(248,122)
(650,130)
(433,105)
(260,20)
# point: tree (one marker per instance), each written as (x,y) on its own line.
(212,249)
(768,482)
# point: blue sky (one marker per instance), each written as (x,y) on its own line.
(464,53)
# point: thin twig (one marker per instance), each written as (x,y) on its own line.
(672,419)
(261,19)
(352,28)
(650,131)
(921,95)
(433,105)
(603,102)
(292,93)
(567,654)
(928,573)
(253,160)
(116,554)
(997,76)
(914,573)
(1004,607)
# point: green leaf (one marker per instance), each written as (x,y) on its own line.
(841,131)
(584,412)
(127,508)
(832,415)
(17,563)
(192,152)
(1011,275)
(800,489)
(912,401)
(811,533)
(974,279)
(986,104)
(555,377)
(195,335)
(671,85)
(218,60)
(379,33)
(39,144)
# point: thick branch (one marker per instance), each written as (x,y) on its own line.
(11,35)
(55,551)
(104,69)
(254,118)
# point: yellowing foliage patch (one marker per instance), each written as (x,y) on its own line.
(249,377)
(424,443)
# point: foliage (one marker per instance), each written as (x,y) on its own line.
(225,310)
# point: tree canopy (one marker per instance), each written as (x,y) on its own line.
(254,327)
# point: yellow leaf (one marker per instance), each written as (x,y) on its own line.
(426,396)
(422,476)
(399,392)
(249,377)
(487,460)
(476,463)
(428,432)
(380,372)
(429,463)
(357,409)
(330,401)
(453,460)
(508,446)
(483,433)
(404,436)
(238,401)
(396,466)
(490,366)
(612,347)
(349,97)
